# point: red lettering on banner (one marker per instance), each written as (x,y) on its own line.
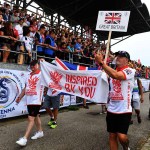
(89,91)
(82,80)
(80,89)
(94,83)
(70,87)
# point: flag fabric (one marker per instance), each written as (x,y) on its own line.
(112,18)
(68,66)
(87,84)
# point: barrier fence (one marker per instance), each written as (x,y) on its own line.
(69,57)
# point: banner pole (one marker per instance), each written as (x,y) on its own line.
(108,43)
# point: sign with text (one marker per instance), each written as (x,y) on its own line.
(113,21)
(86,84)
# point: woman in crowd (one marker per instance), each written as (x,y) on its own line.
(8,39)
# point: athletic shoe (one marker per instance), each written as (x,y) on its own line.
(51,122)
(129,148)
(103,112)
(22,141)
(37,135)
(139,119)
(54,125)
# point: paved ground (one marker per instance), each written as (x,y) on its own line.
(77,130)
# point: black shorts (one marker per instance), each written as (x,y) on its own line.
(33,110)
(118,123)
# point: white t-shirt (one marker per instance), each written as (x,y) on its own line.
(34,89)
(28,43)
(121,92)
(19,28)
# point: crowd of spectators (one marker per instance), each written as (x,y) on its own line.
(25,33)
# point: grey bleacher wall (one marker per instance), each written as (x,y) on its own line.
(13,66)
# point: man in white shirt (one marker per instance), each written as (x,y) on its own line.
(34,93)
(119,106)
(19,28)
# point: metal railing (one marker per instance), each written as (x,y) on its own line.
(68,57)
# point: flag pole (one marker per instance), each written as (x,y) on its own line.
(107,49)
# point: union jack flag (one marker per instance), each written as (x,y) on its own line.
(112,18)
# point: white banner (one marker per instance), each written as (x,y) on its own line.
(11,84)
(113,21)
(91,84)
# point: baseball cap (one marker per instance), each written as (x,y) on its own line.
(123,54)
(33,62)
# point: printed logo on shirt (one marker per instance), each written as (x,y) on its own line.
(32,83)
(116,94)
(128,71)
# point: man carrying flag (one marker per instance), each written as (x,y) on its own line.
(119,106)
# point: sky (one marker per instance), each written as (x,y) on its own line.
(138,45)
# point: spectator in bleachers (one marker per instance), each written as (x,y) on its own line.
(15,18)
(39,41)
(9,40)
(1,21)
(28,43)
(25,22)
(6,15)
(70,47)
(50,41)
(19,28)
(78,50)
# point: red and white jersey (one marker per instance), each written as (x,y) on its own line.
(34,89)
(121,92)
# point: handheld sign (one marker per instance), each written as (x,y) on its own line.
(112,21)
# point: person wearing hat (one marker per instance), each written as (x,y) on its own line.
(33,91)
(119,109)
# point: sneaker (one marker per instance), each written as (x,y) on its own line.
(86,107)
(37,135)
(22,141)
(103,112)
(51,122)
(54,125)
(139,119)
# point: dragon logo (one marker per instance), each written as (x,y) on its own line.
(55,77)
(32,82)
(116,85)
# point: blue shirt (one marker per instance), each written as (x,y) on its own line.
(71,49)
(77,46)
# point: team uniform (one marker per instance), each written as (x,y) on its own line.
(119,105)
(34,93)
